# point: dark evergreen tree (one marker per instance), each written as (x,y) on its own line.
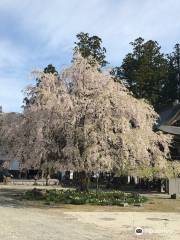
(50,69)
(144,71)
(172,86)
(91,47)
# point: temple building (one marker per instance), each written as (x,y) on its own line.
(170,124)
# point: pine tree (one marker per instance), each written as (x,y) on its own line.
(144,71)
(50,69)
(171,90)
(90,47)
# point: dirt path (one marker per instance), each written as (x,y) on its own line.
(22,222)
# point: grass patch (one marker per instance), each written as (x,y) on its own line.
(117,198)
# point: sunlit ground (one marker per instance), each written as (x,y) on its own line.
(27,220)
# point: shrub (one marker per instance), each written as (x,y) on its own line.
(77,197)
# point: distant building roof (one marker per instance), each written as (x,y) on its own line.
(170,119)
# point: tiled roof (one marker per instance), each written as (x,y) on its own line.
(168,117)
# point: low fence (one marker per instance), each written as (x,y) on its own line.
(40,182)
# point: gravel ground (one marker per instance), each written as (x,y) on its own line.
(21,222)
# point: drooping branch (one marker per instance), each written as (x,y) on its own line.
(84,120)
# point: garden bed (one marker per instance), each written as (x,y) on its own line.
(117,198)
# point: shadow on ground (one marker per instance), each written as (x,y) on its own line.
(11,197)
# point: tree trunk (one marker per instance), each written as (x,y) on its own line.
(84,181)
(47,180)
(97,183)
(47,176)
(42,174)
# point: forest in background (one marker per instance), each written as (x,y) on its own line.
(146,71)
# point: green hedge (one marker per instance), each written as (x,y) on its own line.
(76,197)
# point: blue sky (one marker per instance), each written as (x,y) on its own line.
(34,33)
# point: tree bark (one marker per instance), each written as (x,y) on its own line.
(84,180)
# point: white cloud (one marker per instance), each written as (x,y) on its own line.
(54,24)
(57,22)
(10,56)
(10,93)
